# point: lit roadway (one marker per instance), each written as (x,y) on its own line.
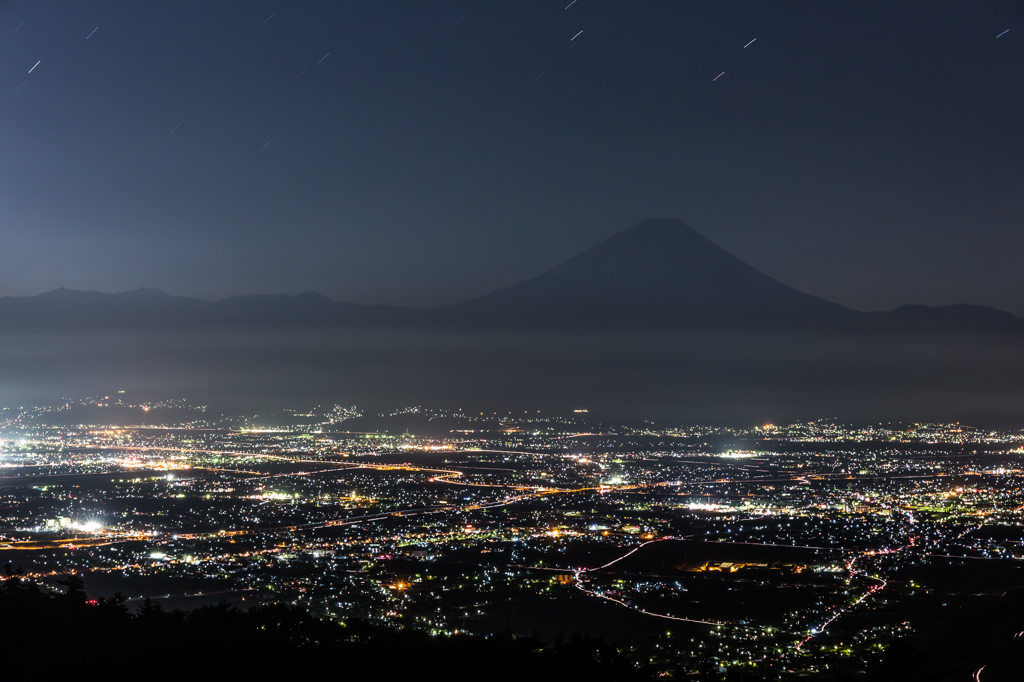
(581,572)
(874,588)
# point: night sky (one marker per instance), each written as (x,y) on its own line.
(421,153)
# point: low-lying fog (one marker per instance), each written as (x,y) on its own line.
(675,378)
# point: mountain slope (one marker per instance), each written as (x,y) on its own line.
(960,317)
(657,273)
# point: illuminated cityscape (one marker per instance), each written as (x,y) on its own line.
(796,548)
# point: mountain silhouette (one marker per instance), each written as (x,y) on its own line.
(658,274)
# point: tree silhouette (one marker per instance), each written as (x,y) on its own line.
(150,609)
(12,579)
(74,589)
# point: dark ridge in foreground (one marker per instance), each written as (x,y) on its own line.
(658,274)
(47,634)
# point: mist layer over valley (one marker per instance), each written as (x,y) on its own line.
(719,377)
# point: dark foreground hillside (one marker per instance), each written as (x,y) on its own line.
(44,635)
(983,642)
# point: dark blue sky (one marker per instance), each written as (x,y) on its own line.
(868,152)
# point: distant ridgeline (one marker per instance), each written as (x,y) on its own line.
(658,274)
